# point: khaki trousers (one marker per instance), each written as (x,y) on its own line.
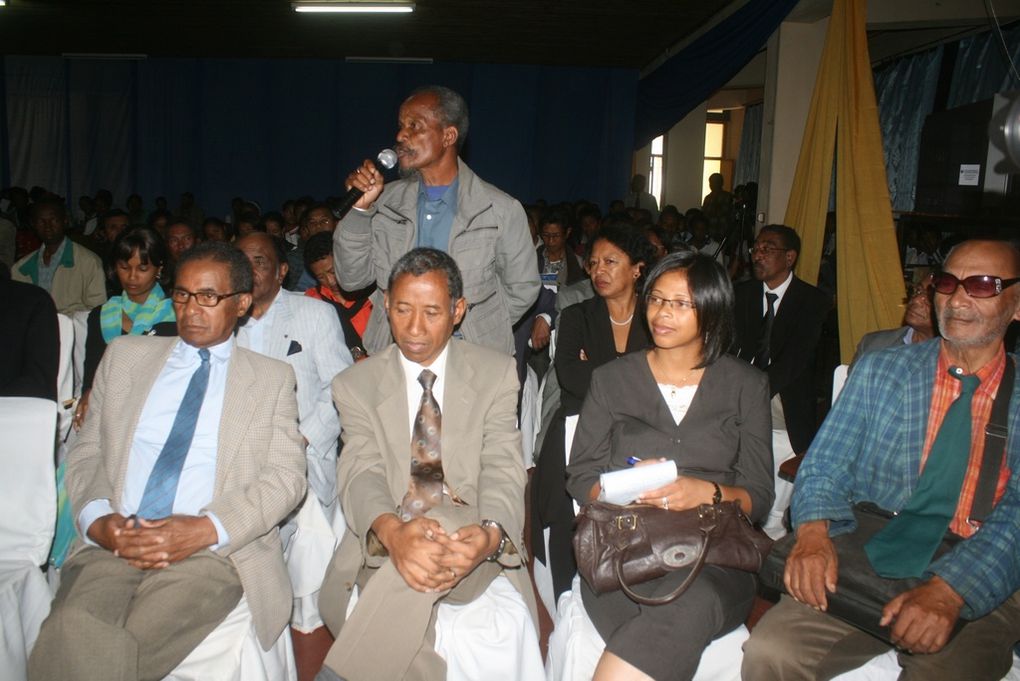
(113,622)
(795,641)
(390,635)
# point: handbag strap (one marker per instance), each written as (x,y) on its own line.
(708,526)
(995,445)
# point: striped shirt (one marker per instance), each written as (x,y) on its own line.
(944,393)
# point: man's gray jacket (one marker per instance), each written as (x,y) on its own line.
(489,239)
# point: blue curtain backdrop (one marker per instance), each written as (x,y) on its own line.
(270,130)
(981,69)
(749,154)
(905,90)
(689,77)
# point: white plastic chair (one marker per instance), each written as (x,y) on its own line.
(492,637)
(232,653)
(28,512)
(531,416)
(839,380)
(575,646)
(307,556)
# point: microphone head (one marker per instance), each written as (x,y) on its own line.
(387,158)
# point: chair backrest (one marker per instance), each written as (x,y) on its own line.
(81,331)
(28,489)
(838,379)
(65,372)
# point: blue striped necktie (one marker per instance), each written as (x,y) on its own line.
(161,488)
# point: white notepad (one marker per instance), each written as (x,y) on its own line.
(623,486)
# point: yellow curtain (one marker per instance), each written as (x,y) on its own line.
(844,119)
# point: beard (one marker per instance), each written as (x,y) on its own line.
(995,330)
(408,173)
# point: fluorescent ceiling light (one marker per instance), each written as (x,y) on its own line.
(356,7)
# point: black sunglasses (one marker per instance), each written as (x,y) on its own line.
(976,286)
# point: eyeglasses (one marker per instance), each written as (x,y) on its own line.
(204,298)
(976,286)
(673,305)
(767,250)
(551,235)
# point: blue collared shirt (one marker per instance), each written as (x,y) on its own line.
(47,272)
(436,208)
(198,478)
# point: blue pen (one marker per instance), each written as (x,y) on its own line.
(631,460)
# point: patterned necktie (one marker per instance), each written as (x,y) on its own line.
(761,358)
(161,488)
(425,489)
(906,545)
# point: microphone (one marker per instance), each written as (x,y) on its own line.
(387,158)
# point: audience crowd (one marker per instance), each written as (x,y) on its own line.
(304,339)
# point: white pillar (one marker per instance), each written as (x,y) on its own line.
(793,54)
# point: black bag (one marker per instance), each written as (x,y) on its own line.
(861,593)
(619,546)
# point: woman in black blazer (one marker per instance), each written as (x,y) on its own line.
(685,400)
(589,334)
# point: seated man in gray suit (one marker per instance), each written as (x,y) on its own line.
(305,333)
(431,481)
(189,459)
(918,325)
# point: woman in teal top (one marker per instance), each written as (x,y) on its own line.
(143,308)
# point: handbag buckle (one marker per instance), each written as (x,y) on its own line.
(626,522)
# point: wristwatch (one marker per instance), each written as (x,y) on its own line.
(717,495)
(498,553)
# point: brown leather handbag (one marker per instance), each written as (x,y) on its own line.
(620,546)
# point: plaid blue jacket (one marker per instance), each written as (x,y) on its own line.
(869,449)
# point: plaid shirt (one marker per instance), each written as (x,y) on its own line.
(870,449)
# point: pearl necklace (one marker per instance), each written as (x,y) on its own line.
(625,322)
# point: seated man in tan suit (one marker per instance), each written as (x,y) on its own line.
(431,480)
(187,461)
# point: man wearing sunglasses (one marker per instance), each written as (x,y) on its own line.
(908,435)
(189,459)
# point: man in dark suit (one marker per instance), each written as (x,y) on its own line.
(30,343)
(779,321)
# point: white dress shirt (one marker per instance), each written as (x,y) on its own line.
(252,334)
(198,477)
(779,291)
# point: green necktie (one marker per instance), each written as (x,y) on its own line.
(906,545)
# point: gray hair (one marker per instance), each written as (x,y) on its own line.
(452,109)
(420,261)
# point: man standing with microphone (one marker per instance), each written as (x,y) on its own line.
(439,203)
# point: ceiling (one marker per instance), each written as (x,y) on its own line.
(619,33)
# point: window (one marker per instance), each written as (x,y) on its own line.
(656,169)
(715,134)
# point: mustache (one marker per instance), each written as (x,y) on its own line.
(952,314)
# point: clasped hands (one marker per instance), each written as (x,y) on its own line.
(153,544)
(921,619)
(430,559)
